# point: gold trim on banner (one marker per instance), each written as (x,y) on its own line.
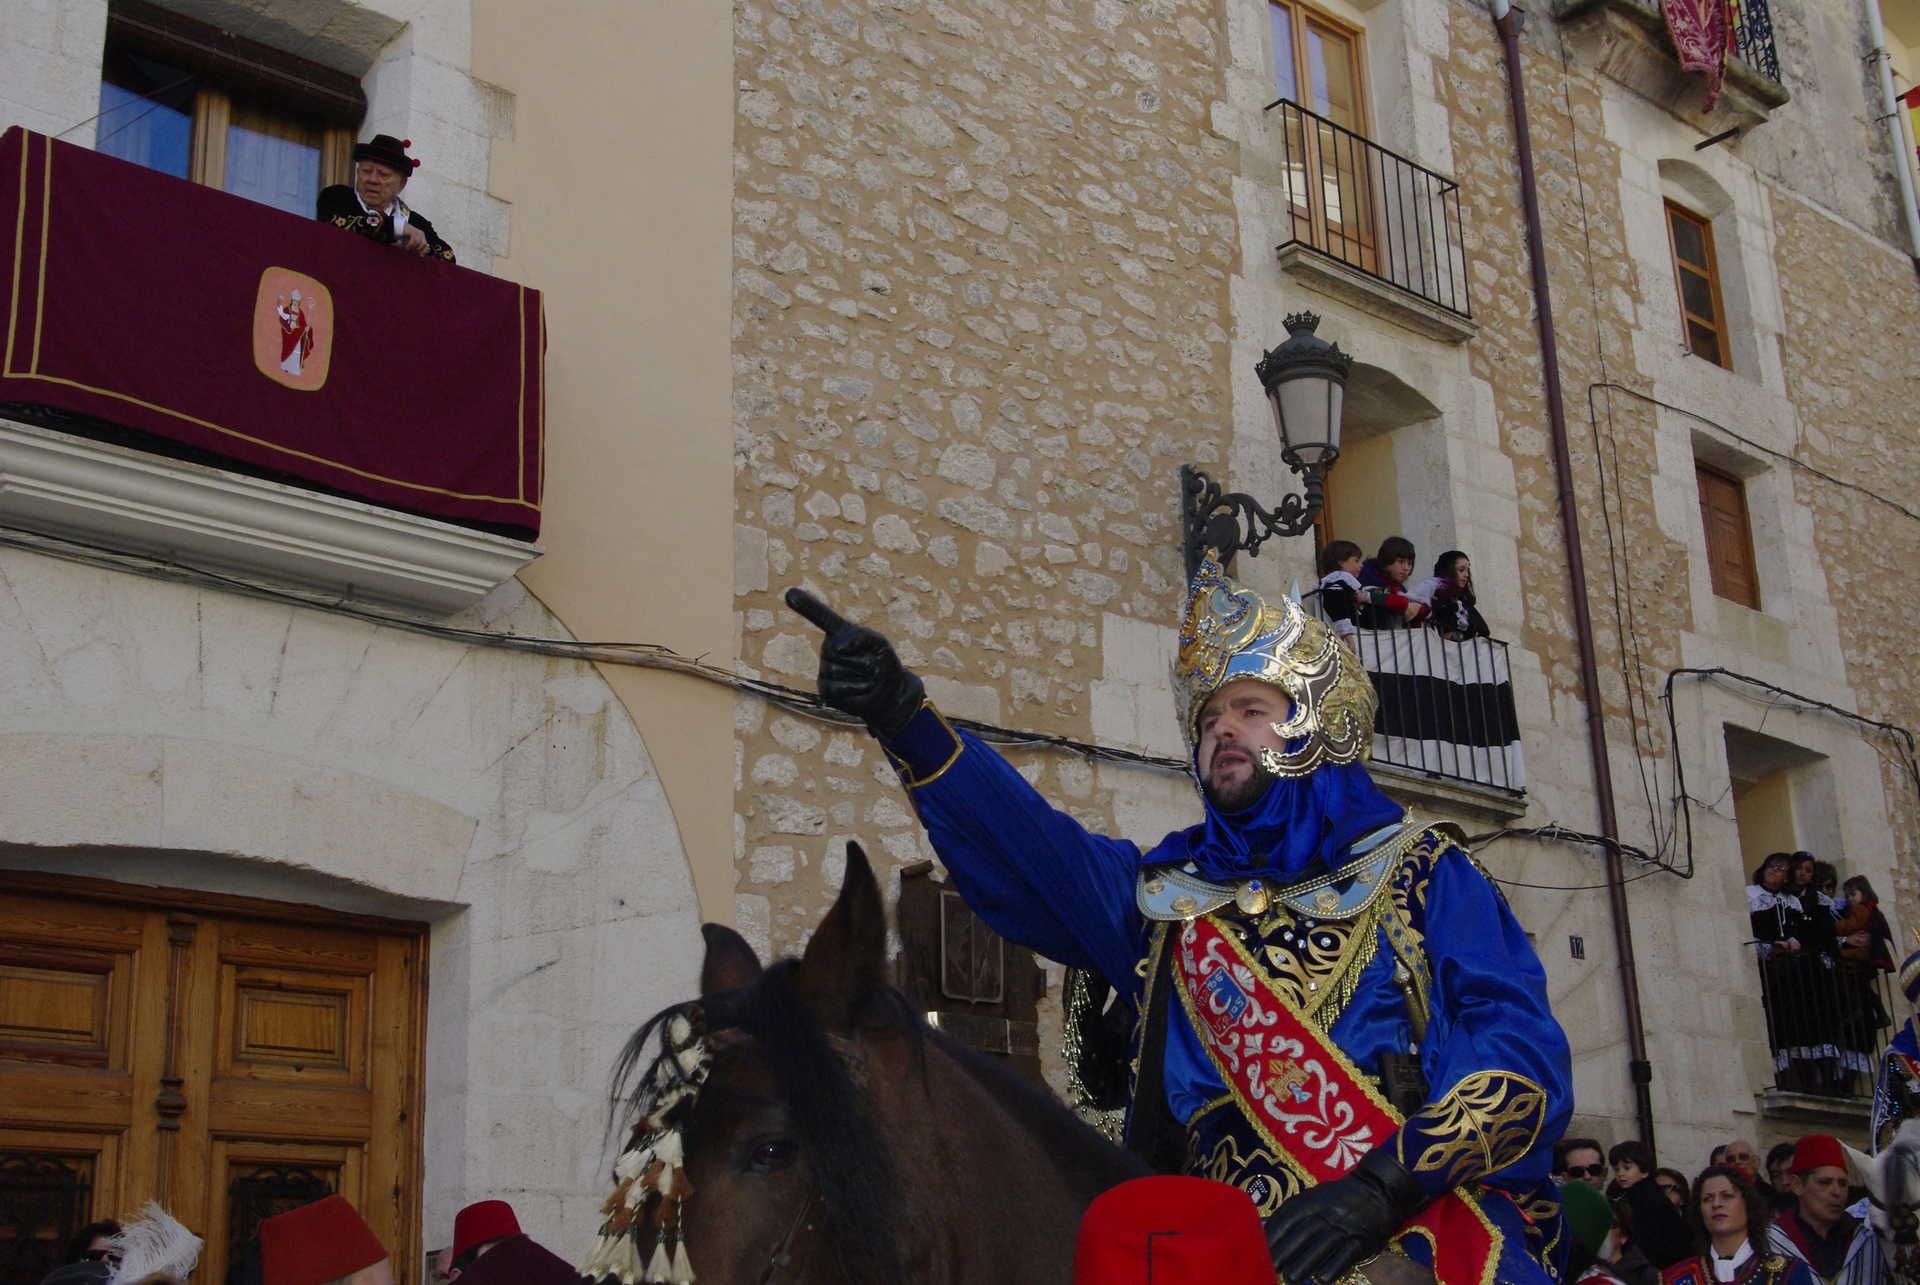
(520,408)
(33,372)
(19,251)
(46,225)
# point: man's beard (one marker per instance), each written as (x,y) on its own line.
(1237,798)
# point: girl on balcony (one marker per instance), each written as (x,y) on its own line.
(1449,592)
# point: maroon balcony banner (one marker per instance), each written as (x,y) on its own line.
(143,302)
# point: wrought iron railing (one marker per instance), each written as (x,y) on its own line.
(1827,1022)
(1446,705)
(1352,200)
(1753,37)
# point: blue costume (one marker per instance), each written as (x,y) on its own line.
(1896,1094)
(1385,932)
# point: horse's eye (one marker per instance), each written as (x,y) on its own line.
(771,1154)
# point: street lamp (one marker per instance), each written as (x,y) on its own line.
(1305,379)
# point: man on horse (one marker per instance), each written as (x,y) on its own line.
(1336,1010)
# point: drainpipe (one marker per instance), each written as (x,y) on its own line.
(1891,108)
(1507,21)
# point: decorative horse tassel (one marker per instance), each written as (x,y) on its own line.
(658,1268)
(613,1256)
(682,1269)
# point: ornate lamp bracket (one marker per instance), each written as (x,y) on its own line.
(1231,521)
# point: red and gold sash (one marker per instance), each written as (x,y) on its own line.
(1306,1100)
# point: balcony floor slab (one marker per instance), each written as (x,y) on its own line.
(118,498)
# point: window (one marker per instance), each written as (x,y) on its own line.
(1316,63)
(1723,512)
(1703,319)
(188,100)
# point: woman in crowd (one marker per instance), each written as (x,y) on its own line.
(1449,591)
(1731,1221)
(1822,996)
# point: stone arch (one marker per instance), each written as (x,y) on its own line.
(159,733)
(1391,478)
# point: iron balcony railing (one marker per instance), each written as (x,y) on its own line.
(1376,211)
(1827,1022)
(1753,37)
(1446,706)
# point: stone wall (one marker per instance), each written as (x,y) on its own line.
(979,320)
(1853,369)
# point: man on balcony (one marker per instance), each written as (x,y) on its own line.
(372,207)
(1335,1010)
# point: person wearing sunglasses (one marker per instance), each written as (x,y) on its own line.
(1581,1160)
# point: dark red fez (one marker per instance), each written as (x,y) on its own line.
(1817,1149)
(388,151)
(482,1221)
(1171,1231)
(518,1261)
(317,1243)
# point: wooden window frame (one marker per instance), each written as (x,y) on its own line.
(1711,271)
(332,102)
(1744,554)
(1299,15)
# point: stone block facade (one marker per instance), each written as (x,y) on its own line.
(1000,269)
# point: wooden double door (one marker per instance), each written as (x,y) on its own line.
(229,1058)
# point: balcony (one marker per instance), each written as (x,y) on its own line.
(1371,226)
(1446,726)
(195,377)
(1627,40)
(1827,1026)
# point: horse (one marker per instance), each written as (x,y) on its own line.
(801,1124)
(1892,1180)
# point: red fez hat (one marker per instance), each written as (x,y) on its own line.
(317,1243)
(1816,1150)
(1169,1231)
(482,1221)
(518,1261)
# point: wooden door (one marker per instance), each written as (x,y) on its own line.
(229,1058)
(973,984)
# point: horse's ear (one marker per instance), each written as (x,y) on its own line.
(1862,1169)
(730,961)
(845,961)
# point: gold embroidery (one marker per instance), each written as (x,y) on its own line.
(1485,1122)
(1262,1174)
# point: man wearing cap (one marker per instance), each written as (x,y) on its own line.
(1335,1010)
(371,207)
(488,1245)
(324,1243)
(1841,1249)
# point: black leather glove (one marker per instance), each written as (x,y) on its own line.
(1325,1232)
(860,673)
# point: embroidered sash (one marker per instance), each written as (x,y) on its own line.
(1303,1096)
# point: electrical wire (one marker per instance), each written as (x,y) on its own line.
(637,655)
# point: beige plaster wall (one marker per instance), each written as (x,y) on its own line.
(618,171)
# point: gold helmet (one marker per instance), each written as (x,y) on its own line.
(1231,633)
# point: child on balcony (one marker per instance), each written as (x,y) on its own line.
(1340,589)
(1393,607)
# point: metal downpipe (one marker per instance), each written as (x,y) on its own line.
(1507,20)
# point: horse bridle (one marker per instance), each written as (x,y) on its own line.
(781,1259)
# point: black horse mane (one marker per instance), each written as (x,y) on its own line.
(851,1164)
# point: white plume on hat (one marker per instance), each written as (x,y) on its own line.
(157,1242)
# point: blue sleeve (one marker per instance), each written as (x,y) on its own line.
(1497,1063)
(1034,874)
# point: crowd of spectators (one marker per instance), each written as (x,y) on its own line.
(1631,1221)
(1821,956)
(1358,592)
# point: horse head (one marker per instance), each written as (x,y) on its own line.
(1892,1180)
(800,1124)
